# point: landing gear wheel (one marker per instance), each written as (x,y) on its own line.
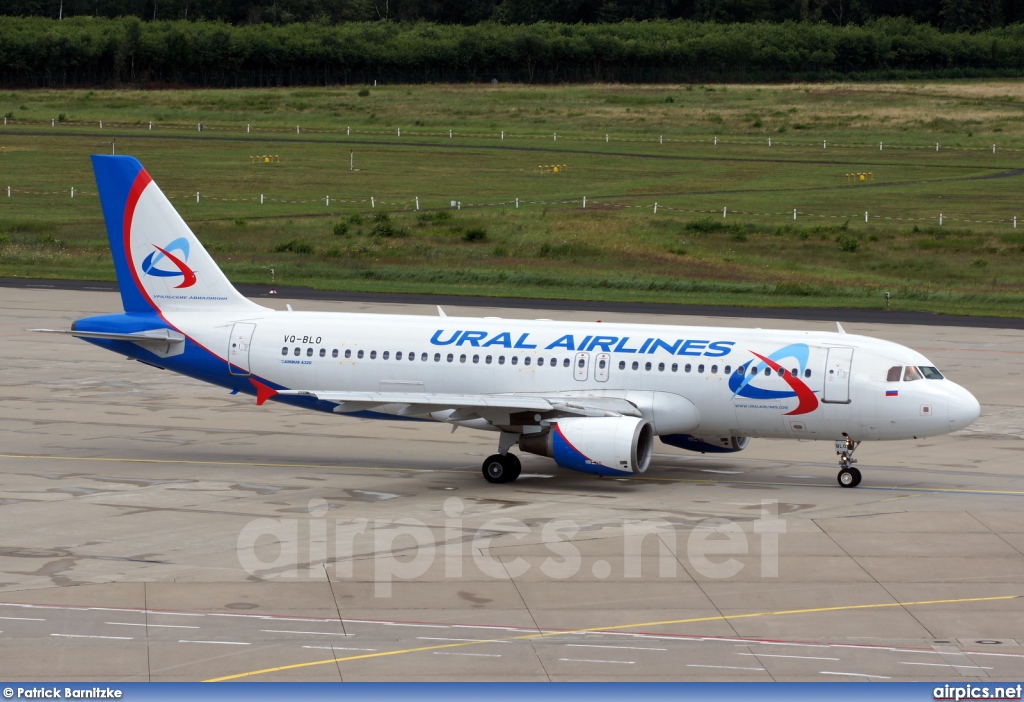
(849,477)
(501,469)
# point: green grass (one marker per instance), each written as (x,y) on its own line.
(615,249)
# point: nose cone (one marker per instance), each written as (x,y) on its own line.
(963,408)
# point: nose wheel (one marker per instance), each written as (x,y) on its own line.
(501,468)
(849,476)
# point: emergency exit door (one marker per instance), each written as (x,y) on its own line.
(238,348)
(581,366)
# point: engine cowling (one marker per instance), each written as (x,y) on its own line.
(612,446)
(722,444)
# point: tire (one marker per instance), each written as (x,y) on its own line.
(513,465)
(848,477)
(496,469)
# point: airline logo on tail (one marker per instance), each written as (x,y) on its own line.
(151,264)
(743,385)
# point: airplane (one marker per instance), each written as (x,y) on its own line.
(590,396)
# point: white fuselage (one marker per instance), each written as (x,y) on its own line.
(846,373)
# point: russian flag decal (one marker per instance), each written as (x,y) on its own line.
(892,393)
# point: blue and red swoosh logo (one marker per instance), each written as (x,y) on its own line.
(151,264)
(744,384)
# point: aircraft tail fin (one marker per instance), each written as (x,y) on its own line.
(160,264)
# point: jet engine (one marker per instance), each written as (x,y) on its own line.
(718,444)
(612,446)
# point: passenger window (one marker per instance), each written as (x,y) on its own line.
(298,351)
(360,354)
(501,360)
(384,355)
(423,357)
(893,376)
(753,370)
(334,353)
(807,373)
(700,368)
(795,373)
(284,351)
(647,366)
(451,357)
(675,367)
(348,353)
(476,358)
(661,366)
(714,369)
(398,355)
(728,369)
(636,365)
(309,352)
(741,370)
(323,353)
(622,365)
(911,373)
(687,368)
(373,354)
(412,355)
(437,358)
(526,361)
(515,360)
(601,364)
(581,363)
(462,358)
(488,360)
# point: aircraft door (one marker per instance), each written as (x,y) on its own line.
(602,364)
(581,366)
(238,348)
(837,375)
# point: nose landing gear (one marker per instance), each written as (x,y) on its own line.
(848,475)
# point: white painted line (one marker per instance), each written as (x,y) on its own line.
(174,614)
(778,655)
(491,628)
(227,643)
(437,638)
(722,472)
(747,642)
(423,626)
(623,648)
(341,648)
(317,633)
(588,660)
(87,636)
(947,665)
(1001,655)
(855,675)
(723,667)
(24,619)
(478,655)
(158,626)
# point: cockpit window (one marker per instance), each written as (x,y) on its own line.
(893,376)
(911,373)
(930,372)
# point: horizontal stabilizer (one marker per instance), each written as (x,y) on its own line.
(162,342)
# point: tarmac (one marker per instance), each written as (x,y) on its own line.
(155,528)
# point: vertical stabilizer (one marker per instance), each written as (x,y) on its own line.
(160,264)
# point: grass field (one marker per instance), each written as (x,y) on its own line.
(692,150)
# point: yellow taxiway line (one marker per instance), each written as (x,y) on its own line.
(539,635)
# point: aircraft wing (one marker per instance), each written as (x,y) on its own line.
(469,406)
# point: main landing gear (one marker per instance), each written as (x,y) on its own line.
(501,468)
(848,475)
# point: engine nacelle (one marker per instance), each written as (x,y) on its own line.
(612,446)
(723,444)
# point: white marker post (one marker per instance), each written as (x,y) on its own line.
(769,142)
(197,197)
(940,219)
(417,204)
(936,146)
(296,129)
(824,144)
(101,124)
(794,214)
(72,192)
(660,138)
(373,205)
(261,198)
(348,131)
(865,218)
(993,148)
(716,141)
(605,138)
(150,125)
(555,135)
(879,146)
(53,122)
(248,129)
(723,212)
(503,136)
(327,201)
(517,204)
(584,202)
(399,132)
(449,133)
(1015,221)
(655,208)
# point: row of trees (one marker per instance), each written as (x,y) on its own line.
(84,51)
(950,15)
